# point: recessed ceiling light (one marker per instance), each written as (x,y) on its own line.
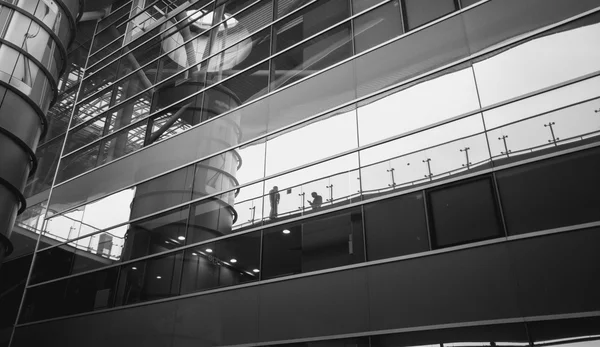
(133,268)
(195,254)
(233,261)
(167,242)
(256,270)
(286,231)
(158,277)
(209,250)
(181,238)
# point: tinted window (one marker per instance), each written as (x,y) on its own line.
(151,279)
(464,212)
(377,26)
(90,292)
(156,234)
(419,12)
(552,193)
(224,263)
(320,243)
(396,227)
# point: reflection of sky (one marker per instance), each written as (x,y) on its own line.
(529,67)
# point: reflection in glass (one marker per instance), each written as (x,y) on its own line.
(535,64)
(419,12)
(150,279)
(92,217)
(432,154)
(223,263)
(334,183)
(436,98)
(314,244)
(377,26)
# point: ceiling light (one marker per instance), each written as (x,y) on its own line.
(133,268)
(181,238)
(286,231)
(233,261)
(209,250)
(196,254)
(158,277)
(256,271)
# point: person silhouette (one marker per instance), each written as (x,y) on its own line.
(274,201)
(316,202)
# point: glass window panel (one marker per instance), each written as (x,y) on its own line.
(151,279)
(548,132)
(92,107)
(100,80)
(238,57)
(436,153)
(315,244)
(223,263)
(52,263)
(411,56)
(315,188)
(163,192)
(396,227)
(312,141)
(44,302)
(309,21)
(78,163)
(552,193)
(436,98)
(85,134)
(122,143)
(156,234)
(47,163)
(91,292)
(535,64)
(464,212)
(377,26)
(312,56)
(419,12)
(92,217)
(226,213)
(494,22)
(361,5)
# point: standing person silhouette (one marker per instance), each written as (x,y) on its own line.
(317,201)
(274,201)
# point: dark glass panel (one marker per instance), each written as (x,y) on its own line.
(52,263)
(13,276)
(319,243)
(552,193)
(309,21)
(90,292)
(351,342)
(44,302)
(156,234)
(150,279)
(377,26)
(312,56)
(419,12)
(85,134)
(396,227)
(464,212)
(226,262)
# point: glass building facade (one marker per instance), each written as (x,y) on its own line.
(344,172)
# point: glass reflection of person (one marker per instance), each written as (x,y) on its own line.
(274,201)
(316,202)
